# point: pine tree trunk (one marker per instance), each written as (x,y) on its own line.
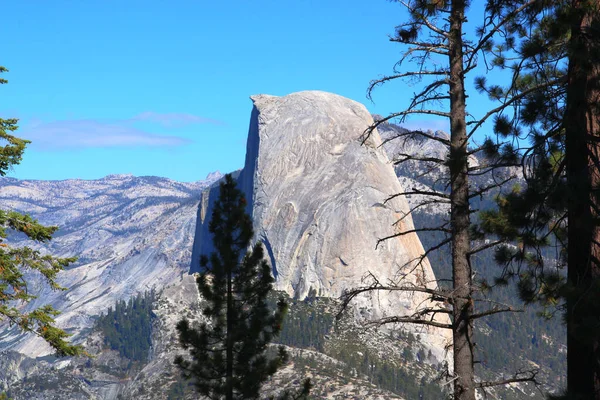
(460,219)
(229,339)
(582,126)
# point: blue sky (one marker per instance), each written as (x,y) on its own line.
(162,88)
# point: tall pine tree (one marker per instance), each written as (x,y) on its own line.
(228,353)
(582,156)
(443,59)
(557,49)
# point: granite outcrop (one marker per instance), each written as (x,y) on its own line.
(318,197)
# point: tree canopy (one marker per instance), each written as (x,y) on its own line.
(229,351)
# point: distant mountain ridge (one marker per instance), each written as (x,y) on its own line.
(130,233)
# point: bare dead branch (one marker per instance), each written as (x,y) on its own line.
(485,189)
(495,310)
(377,82)
(429,94)
(420,192)
(419,260)
(348,295)
(517,378)
(410,157)
(404,233)
(424,203)
(411,320)
(485,247)
(411,134)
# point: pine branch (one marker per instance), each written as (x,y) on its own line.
(508,18)
(424,20)
(511,101)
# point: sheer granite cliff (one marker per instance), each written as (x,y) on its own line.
(317,198)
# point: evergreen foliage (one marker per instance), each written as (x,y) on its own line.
(310,324)
(557,81)
(307,323)
(177,389)
(228,354)
(532,217)
(505,342)
(128,327)
(15,263)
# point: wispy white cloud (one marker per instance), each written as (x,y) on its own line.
(174,119)
(74,134)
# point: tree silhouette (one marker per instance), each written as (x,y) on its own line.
(228,353)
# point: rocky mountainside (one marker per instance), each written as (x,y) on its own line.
(130,233)
(314,193)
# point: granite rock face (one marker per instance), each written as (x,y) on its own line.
(131,234)
(317,198)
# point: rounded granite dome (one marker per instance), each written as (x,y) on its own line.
(317,197)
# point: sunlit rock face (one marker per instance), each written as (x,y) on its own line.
(131,234)
(317,198)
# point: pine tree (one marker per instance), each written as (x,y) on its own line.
(228,354)
(558,69)
(15,262)
(129,329)
(443,58)
(582,151)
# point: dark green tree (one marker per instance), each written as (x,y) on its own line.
(16,262)
(557,73)
(128,329)
(228,353)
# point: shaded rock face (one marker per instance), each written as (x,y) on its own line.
(317,198)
